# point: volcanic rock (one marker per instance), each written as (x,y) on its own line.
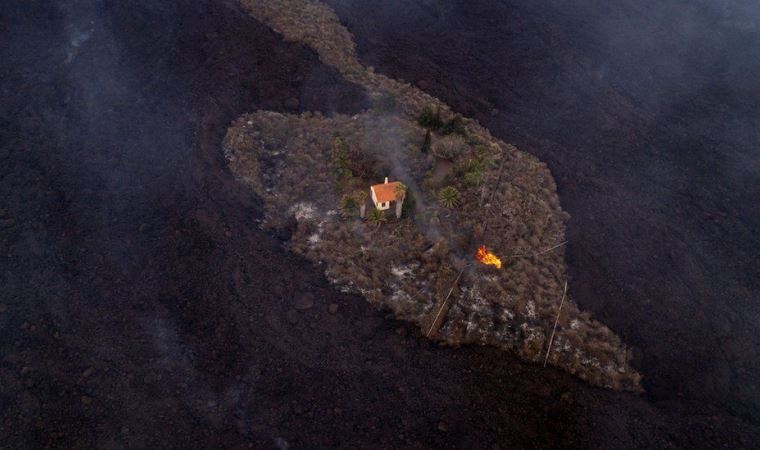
(292,316)
(306,301)
(292,104)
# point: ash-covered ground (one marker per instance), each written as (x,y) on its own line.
(142,307)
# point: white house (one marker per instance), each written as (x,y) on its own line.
(384,194)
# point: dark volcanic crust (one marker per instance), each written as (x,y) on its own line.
(647,114)
(142,307)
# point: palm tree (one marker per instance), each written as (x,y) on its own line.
(360,197)
(376,217)
(449,197)
(400,193)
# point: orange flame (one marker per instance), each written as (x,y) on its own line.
(487,257)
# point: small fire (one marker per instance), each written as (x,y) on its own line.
(487,257)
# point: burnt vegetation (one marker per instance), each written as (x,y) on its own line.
(317,170)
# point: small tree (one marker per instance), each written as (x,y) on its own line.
(376,217)
(449,197)
(400,193)
(360,196)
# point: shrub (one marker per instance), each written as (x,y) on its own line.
(430,119)
(433,122)
(472,179)
(449,197)
(400,191)
(341,158)
(471,172)
(449,147)
(360,196)
(376,217)
(348,205)
(455,125)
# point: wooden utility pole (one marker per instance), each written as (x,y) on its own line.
(551,339)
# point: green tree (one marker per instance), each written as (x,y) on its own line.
(449,197)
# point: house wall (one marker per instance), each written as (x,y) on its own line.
(380,206)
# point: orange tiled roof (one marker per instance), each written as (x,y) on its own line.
(385,192)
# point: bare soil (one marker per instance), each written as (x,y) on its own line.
(142,307)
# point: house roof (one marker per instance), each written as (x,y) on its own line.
(385,192)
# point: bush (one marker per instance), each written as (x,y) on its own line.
(449,197)
(430,119)
(348,205)
(449,147)
(472,179)
(455,125)
(341,159)
(376,217)
(360,196)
